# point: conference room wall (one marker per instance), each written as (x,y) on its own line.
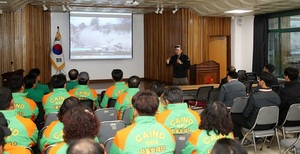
(241,48)
(242,42)
(101,69)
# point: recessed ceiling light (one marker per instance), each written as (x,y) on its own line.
(238,11)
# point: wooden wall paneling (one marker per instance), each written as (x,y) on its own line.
(25,40)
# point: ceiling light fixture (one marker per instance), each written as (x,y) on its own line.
(135,2)
(64,8)
(175,9)
(161,9)
(238,11)
(45,8)
(157,9)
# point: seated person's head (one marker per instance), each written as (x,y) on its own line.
(35,72)
(117,74)
(6,99)
(29,81)
(173,94)
(215,117)
(80,122)
(265,80)
(157,87)
(58,81)
(85,146)
(231,68)
(134,82)
(232,75)
(68,103)
(73,73)
(16,84)
(4,131)
(228,146)
(269,68)
(145,103)
(83,78)
(291,74)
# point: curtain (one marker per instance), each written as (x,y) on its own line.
(260,43)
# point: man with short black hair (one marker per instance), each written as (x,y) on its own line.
(178,117)
(232,89)
(83,91)
(24,131)
(289,95)
(270,68)
(115,90)
(30,88)
(73,74)
(264,97)
(52,101)
(146,135)
(36,72)
(124,100)
(24,106)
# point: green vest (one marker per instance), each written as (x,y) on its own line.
(113,92)
(35,94)
(25,106)
(53,100)
(146,135)
(71,84)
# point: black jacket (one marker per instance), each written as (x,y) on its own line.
(180,70)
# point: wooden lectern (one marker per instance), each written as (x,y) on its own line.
(6,76)
(207,72)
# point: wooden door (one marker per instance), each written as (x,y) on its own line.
(217,52)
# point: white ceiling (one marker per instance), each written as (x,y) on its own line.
(202,7)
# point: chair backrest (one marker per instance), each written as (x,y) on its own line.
(100,97)
(106,114)
(180,142)
(50,117)
(213,95)
(248,85)
(29,148)
(251,76)
(128,115)
(267,115)
(88,103)
(239,104)
(48,148)
(107,144)
(293,113)
(111,102)
(109,129)
(242,75)
(202,93)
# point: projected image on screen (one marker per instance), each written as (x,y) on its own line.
(100,35)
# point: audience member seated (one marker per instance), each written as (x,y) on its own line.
(83,91)
(124,100)
(30,88)
(232,89)
(4,132)
(289,95)
(54,132)
(270,69)
(146,134)
(85,146)
(53,100)
(264,97)
(215,124)
(178,117)
(79,122)
(230,68)
(158,87)
(36,72)
(115,90)
(24,131)
(24,106)
(228,146)
(73,74)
